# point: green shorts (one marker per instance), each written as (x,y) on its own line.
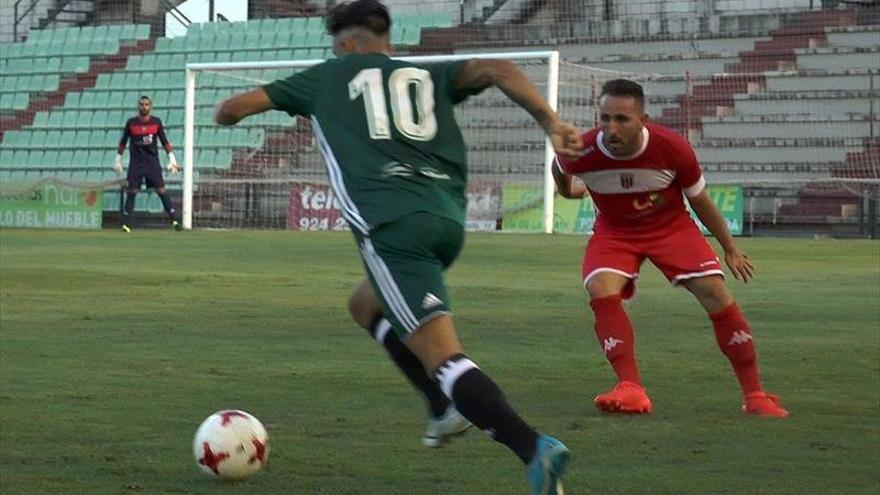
(405,260)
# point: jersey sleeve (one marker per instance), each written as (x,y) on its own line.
(690,174)
(164,139)
(123,141)
(296,94)
(448,73)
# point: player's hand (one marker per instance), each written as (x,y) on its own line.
(117,165)
(740,265)
(172,166)
(565,138)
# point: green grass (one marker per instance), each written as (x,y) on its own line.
(113,348)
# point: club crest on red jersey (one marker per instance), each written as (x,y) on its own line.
(627,180)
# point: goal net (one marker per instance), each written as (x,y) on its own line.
(267,171)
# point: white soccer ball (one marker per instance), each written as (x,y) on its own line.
(231,445)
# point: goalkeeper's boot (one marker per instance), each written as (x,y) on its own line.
(545,471)
(764,404)
(439,430)
(176,225)
(126,229)
(625,397)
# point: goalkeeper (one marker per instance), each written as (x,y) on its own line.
(143,167)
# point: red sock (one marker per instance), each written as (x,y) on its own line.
(615,333)
(735,340)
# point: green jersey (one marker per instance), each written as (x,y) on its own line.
(387,131)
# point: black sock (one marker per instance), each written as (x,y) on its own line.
(168,205)
(480,400)
(129,207)
(410,365)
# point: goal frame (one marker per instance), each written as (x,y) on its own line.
(194,69)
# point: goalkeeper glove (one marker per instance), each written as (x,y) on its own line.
(172,164)
(117,165)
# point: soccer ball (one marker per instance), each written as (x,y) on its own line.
(231,445)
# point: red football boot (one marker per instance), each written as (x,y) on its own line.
(764,404)
(626,397)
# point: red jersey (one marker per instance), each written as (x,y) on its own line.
(641,192)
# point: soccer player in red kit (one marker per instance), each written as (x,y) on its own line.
(638,174)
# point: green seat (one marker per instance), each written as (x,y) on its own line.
(142,32)
(81,158)
(50,159)
(256,138)
(20,101)
(114,31)
(118,80)
(87,32)
(43,50)
(38,139)
(53,139)
(206,137)
(87,99)
(50,82)
(100,32)
(134,63)
(6,158)
(178,61)
(233,42)
(69,119)
(206,43)
(81,140)
(68,139)
(20,158)
(127,32)
(115,99)
(41,120)
(65,159)
(22,83)
(164,44)
(108,47)
(223,160)
(94,138)
(35,158)
(148,62)
(205,159)
(84,119)
(147,80)
(99,120)
(412,36)
(103,81)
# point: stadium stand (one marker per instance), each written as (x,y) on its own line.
(789,96)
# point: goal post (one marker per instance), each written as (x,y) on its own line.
(503,161)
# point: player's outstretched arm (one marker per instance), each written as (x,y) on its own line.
(569,186)
(506,76)
(237,107)
(738,262)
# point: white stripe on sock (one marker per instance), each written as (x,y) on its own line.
(449,373)
(382,329)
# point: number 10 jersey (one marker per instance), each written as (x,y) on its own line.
(388,133)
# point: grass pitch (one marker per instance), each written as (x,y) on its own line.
(114,347)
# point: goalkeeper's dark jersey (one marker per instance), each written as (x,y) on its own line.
(144,136)
(387,131)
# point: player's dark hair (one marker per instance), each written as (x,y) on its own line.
(624,87)
(369,14)
(145,97)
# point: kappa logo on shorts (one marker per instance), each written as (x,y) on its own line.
(431,301)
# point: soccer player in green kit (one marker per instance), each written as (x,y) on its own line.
(396,161)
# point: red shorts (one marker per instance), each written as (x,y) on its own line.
(679,251)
